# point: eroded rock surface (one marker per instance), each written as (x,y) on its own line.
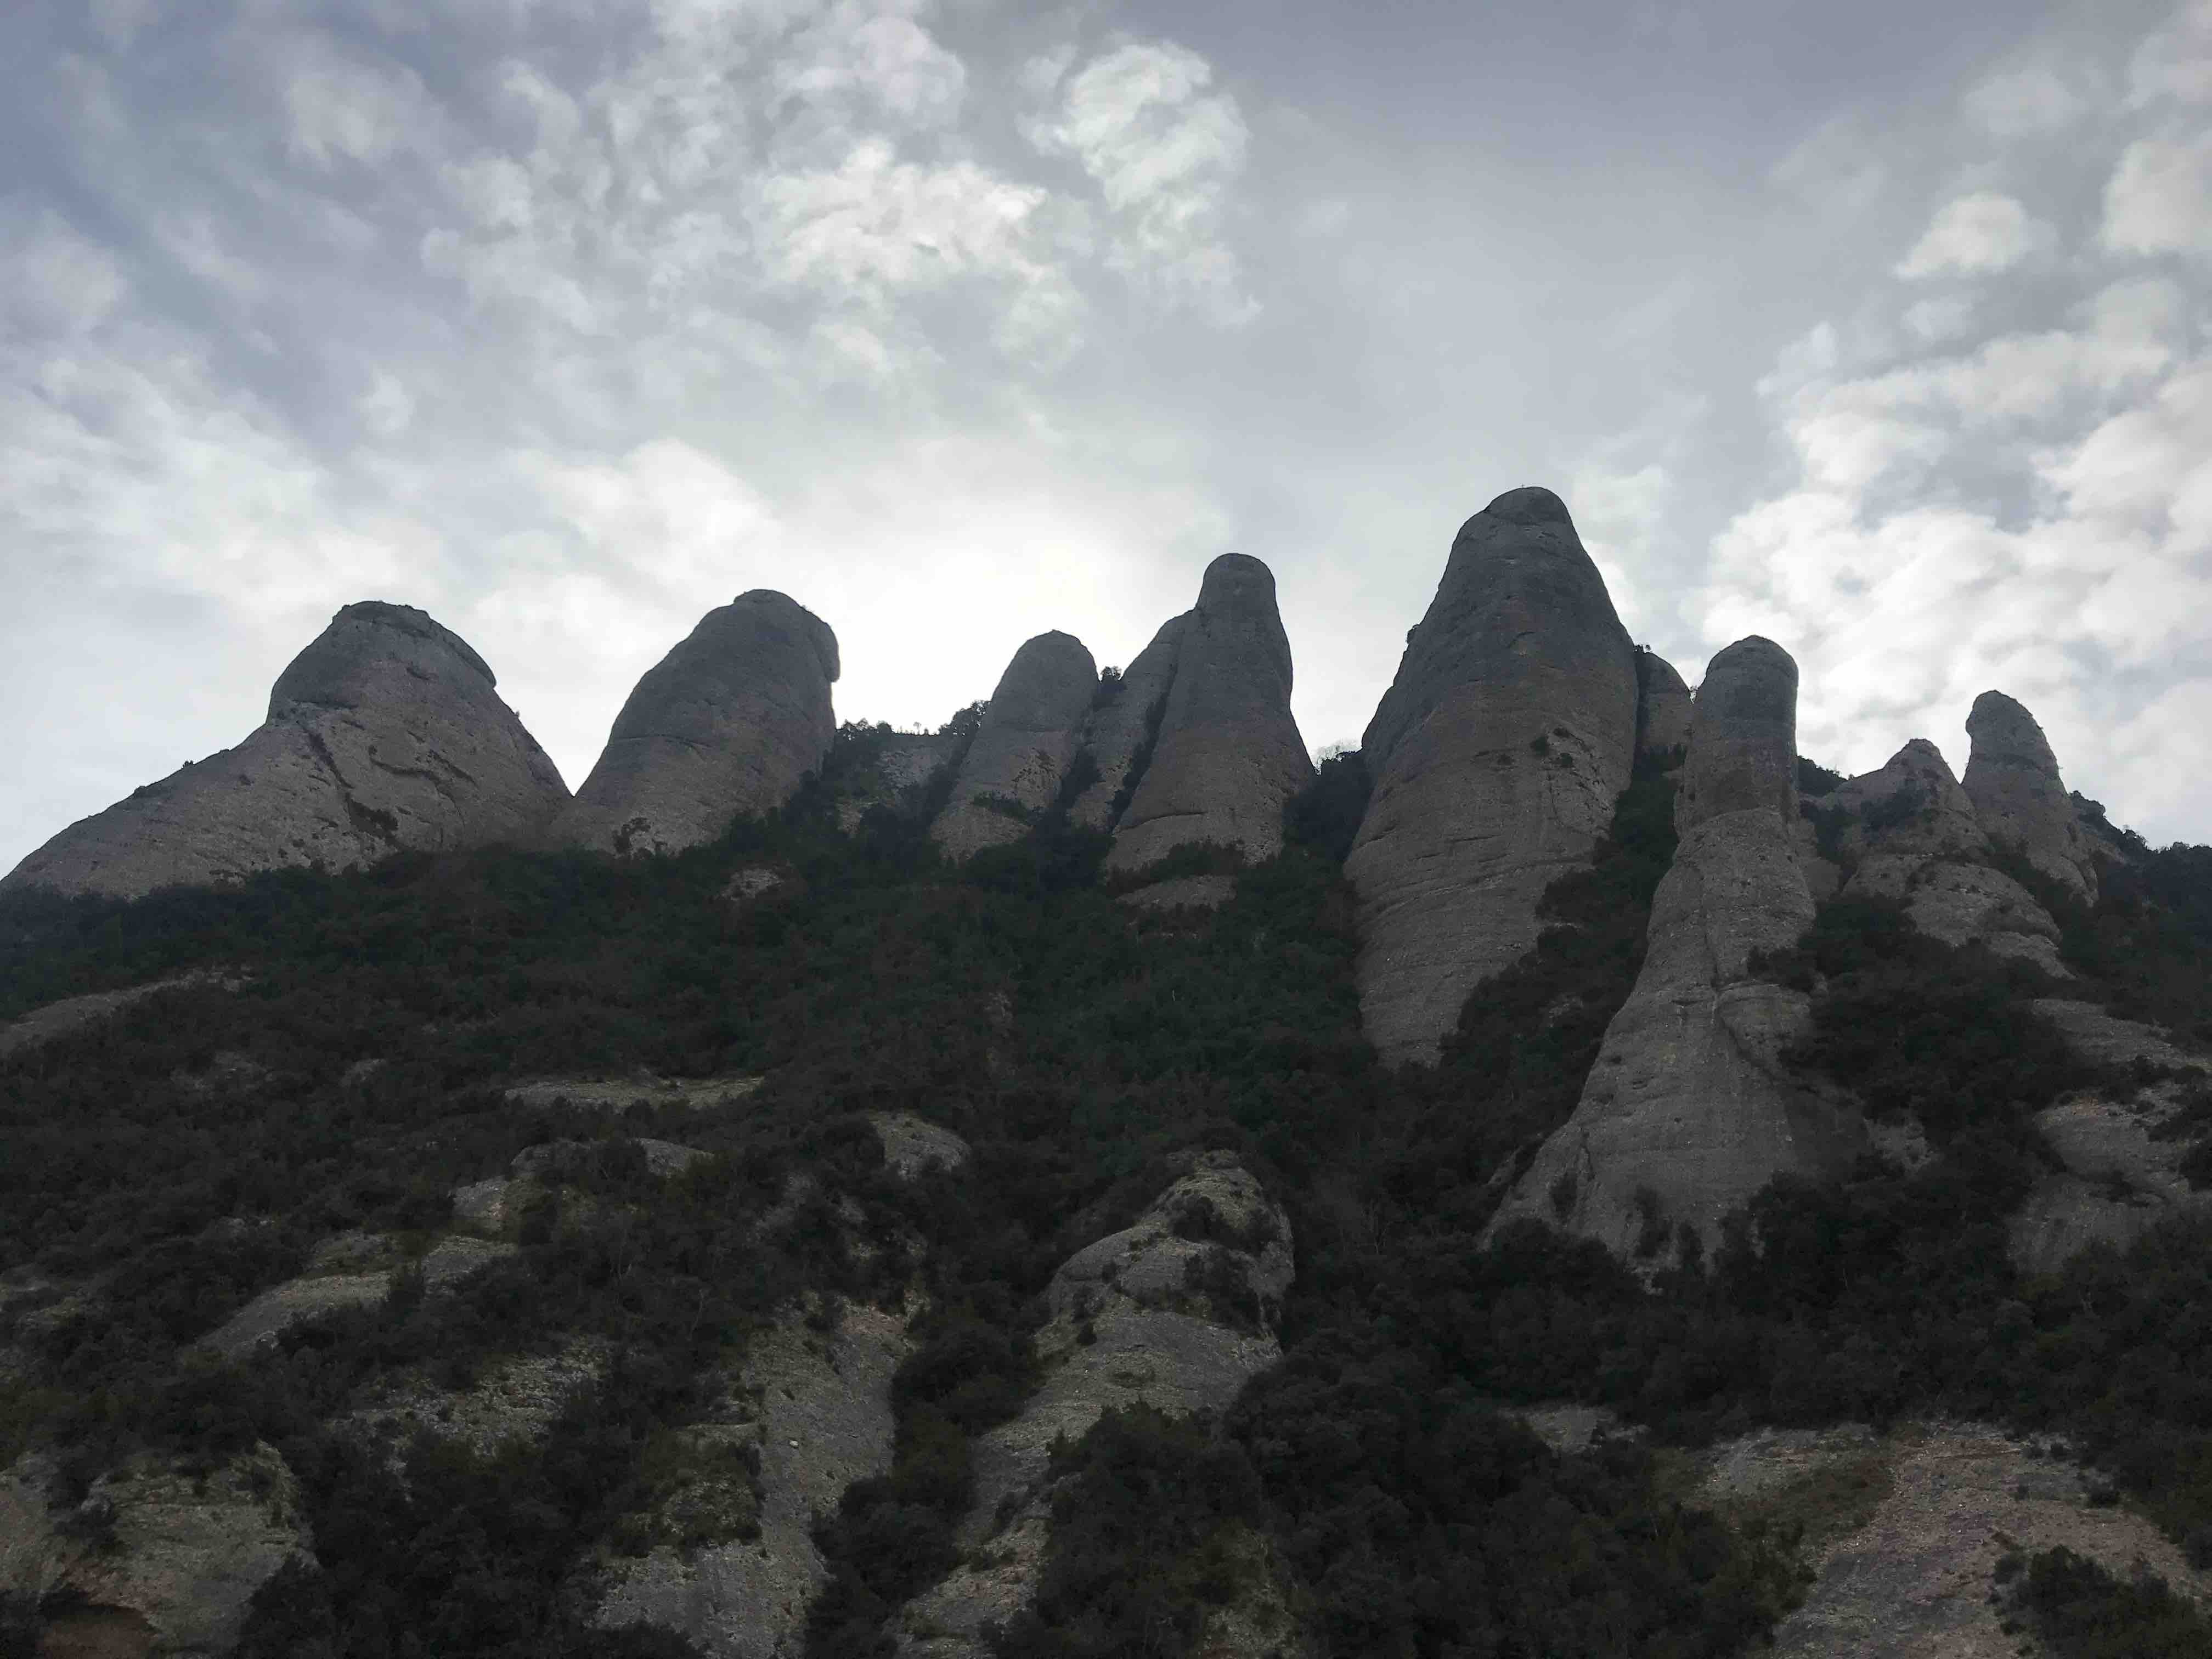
(1689,1110)
(1014,769)
(1228,754)
(388,732)
(58,1019)
(1497,754)
(2013,779)
(1662,711)
(187,1557)
(275,1311)
(818,1408)
(727,724)
(1123,730)
(1180,1310)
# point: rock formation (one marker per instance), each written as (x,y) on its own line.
(1908,831)
(1228,754)
(1497,754)
(2013,779)
(1123,731)
(1662,711)
(727,723)
(385,733)
(1131,1321)
(1014,769)
(1689,1110)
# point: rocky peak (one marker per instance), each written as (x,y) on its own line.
(1227,754)
(728,722)
(1125,727)
(1030,729)
(386,733)
(2013,779)
(1743,736)
(1497,755)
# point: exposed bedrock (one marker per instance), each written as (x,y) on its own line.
(1910,832)
(2012,780)
(1689,1109)
(727,723)
(1228,754)
(1662,711)
(1014,768)
(386,734)
(1123,730)
(1497,753)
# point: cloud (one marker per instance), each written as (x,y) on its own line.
(2160,198)
(58,281)
(2033,100)
(1164,154)
(1976,234)
(2174,63)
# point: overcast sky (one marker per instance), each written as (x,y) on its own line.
(1880,330)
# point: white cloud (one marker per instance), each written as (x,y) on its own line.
(2032,100)
(856,56)
(56,282)
(2160,198)
(340,107)
(1978,235)
(1164,154)
(2175,62)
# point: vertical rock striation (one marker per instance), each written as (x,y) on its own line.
(386,734)
(1662,712)
(1014,769)
(1227,754)
(727,723)
(1124,731)
(2013,779)
(1497,754)
(1689,1111)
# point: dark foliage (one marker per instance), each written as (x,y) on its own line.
(2080,1611)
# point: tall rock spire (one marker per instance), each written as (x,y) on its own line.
(1227,754)
(2012,778)
(1497,755)
(386,733)
(1014,769)
(1689,1109)
(728,722)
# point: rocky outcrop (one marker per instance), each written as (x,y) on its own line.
(815,1411)
(2119,1158)
(727,724)
(2013,779)
(895,777)
(1228,754)
(1689,1110)
(386,734)
(1123,730)
(321,1291)
(1662,712)
(58,1019)
(1497,754)
(1908,831)
(1178,1310)
(156,1558)
(1014,769)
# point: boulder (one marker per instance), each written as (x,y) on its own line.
(1012,771)
(1228,754)
(1497,754)
(1689,1109)
(1124,729)
(1178,1310)
(2013,779)
(386,733)
(1662,712)
(727,724)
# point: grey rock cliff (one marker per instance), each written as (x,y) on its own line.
(727,723)
(2013,779)
(386,733)
(1228,754)
(1028,737)
(1122,733)
(1908,831)
(1497,754)
(1662,711)
(1129,1324)
(1689,1110)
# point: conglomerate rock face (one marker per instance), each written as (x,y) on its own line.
(1689,1110)
(1124,731)
(1227,754)
(1662,712)
(2013,779)
(1014,769)
(1497,754)
(386,734)
(728,723)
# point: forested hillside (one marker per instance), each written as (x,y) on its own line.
(339,1055)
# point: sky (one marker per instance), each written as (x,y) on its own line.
(1879,330)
